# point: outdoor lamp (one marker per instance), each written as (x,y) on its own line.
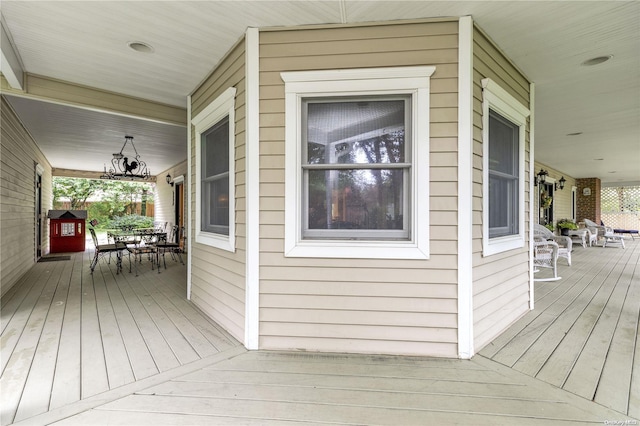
(168,179)
(540,177)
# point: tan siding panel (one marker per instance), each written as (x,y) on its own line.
(218,276)
(406,291)
(323,316)
(501,287)
(352,345)
(19,154)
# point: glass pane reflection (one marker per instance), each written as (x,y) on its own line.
(356,199)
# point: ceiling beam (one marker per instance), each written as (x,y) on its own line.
(61,92)
(69,173)
(10,65)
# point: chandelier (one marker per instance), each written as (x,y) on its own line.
(125,167)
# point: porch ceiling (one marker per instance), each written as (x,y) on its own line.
(86,43)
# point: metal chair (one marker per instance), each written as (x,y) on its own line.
(139,248)
(106,249)
(171,244)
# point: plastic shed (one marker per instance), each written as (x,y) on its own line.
(67,230)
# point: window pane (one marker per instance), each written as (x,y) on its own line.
(503,206)
(215,179)
(503,147)
(503,176)
(216,214)
(356,199)
(215,144)
(358,131)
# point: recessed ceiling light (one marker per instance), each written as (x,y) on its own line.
(140,46)
(596,61)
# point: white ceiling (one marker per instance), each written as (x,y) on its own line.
(86,43)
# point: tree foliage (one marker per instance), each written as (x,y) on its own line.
(110,199)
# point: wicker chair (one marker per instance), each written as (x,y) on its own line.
(607,233)
(545,255)
(565,244)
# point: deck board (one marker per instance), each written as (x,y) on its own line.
(66,382)
(37,389)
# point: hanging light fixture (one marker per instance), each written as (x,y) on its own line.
(126,167)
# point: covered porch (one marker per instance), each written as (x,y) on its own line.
(116,349)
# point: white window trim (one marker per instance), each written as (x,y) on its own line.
(222,106)
(358,82)
(499,100)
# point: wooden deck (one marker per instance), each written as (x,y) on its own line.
(121,350)
(582,335)
(68,335)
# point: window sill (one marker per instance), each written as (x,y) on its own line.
(222,242)
(357,250)
(502,244)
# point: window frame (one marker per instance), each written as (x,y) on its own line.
(406,167)
(219,109)
(500,101)
(347,83)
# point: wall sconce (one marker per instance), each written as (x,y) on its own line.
(168,179)
(560,184)
(541,177)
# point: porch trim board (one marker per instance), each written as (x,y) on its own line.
(252,170)
(465,189)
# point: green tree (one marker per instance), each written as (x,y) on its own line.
(76,190)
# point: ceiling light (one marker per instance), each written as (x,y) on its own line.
(122,168)
(596,61)
(140,46)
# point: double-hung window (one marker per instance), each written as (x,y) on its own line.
(504,122)
(214,135)
(215,178)
(356,167)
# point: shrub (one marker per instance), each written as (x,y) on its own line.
(131,221)
(566,224)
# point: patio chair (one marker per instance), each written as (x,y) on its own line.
(607,233)
(545,255)
(139,248)
(565,244)
(171,244)
(103,250)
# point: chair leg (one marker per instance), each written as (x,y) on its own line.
(94,262)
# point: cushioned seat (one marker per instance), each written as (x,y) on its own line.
(632,232)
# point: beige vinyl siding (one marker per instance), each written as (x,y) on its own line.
(164,209)
(218,276)
(346,305)
(18,160)
(501,281)
(562,200)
